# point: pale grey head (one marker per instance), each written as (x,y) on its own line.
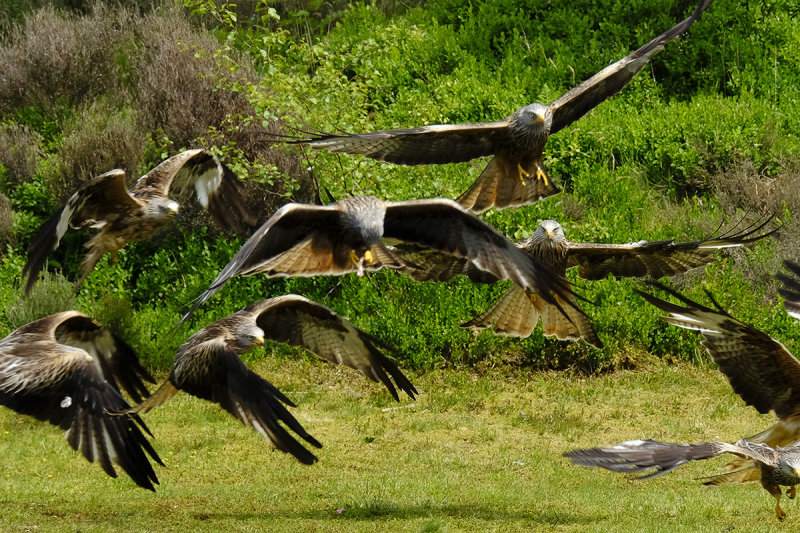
(362,220)
(246,335)
(531,124)
(788,467)
(161,208)
(549,245)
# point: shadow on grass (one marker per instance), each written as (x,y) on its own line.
(373,511)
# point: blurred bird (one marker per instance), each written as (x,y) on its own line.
(64,369)
(774,467)
(762,372)
(208,366)
(513,176)
(124,215)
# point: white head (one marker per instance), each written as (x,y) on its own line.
(247,335)
(549,231)
(161,208)
(536,116)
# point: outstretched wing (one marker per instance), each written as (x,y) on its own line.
(609,81)
(655,259)
(791,289)
(760,369)
(62,385)
(298,240)
(425,264)
(301,322)
(206,368)
(641,456)
(99,201)
(116,361)
(440,143)
(216,187)
(444,225)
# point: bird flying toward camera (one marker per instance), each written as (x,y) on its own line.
(514,175)
(123,215)
(517,311)
(357,234)
(761,371)
(66,369)
(208,366)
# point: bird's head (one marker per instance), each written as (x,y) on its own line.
(162,208)
(247,336)
(550,232)
(362,220)
(535,116)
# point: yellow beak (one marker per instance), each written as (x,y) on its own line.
(259,341)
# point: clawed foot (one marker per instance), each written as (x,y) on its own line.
(779,513)
(522,173)
(791,492)
(540,175)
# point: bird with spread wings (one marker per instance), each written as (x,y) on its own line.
(357,233)
(67,370)
(761,371)
(517,311)
(208,365)
(124,215)
(514,175)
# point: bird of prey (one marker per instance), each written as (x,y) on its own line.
(774,467)
(357,233)
(517,311)
(791,289)
(514,176)
(124,215)
(762,372)
(64,369)
(208,366)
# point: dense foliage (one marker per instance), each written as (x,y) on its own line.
(706,135)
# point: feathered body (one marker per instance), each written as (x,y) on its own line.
(64,369)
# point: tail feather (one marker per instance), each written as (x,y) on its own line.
(517,312)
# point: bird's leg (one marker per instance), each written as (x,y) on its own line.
(366,259)
(791,492)
(541,176)
(775,491)
(522,173)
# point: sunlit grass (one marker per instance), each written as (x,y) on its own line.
(475,452)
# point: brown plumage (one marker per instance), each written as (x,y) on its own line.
(791,289)
(513,176)
(759,368)
(357,233)
(773,467)
(208,366)
(517,311)
(124,215)
(63,369)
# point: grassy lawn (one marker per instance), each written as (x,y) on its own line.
(478,451)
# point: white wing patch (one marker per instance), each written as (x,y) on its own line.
(208,182)
(66,402)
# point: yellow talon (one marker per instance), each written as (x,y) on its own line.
(532,297)
(522,173)
(542,176)
(368,259)
(353,257)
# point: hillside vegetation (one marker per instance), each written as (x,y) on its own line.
(706,136)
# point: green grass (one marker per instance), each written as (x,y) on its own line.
(478,451)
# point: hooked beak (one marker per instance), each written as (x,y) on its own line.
(259,341)
(549,234)
(539,119)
